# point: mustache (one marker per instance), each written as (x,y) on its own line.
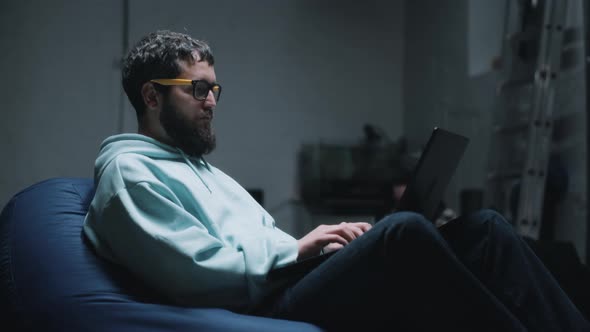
(208,113)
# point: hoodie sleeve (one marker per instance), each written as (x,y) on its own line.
(145,228)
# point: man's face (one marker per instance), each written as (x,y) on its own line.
(186,120)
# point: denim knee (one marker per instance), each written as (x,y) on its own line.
(491,219)
(486,216)
(408,221)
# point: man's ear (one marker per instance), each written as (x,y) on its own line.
(150,95)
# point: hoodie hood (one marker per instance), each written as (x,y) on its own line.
(116,145)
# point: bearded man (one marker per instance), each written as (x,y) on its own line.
(198,238)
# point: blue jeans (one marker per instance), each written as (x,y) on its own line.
(472,274)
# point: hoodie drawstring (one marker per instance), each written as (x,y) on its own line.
(190,164)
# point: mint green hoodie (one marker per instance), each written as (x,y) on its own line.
(183,226)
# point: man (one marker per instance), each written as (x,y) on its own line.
(197,237)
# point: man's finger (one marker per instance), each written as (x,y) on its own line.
(365,226)
(333,237)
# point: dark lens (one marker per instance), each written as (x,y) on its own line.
(201,89)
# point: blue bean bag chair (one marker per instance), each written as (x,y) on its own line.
(51,279)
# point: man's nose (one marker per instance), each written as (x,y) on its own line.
(210,101)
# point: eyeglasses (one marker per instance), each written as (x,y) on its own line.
(201,88)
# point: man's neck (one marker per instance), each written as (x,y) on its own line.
(158,134)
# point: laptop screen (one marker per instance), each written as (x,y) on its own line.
(433,172)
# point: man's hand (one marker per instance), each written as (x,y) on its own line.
(333,237)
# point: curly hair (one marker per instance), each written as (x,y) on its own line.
(156,55)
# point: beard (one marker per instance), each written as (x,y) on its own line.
(193,138)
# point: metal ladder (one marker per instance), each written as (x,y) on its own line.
(520,144)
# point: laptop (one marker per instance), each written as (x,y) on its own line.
(423,193)
(435,168)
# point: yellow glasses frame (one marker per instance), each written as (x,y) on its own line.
(213,87)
